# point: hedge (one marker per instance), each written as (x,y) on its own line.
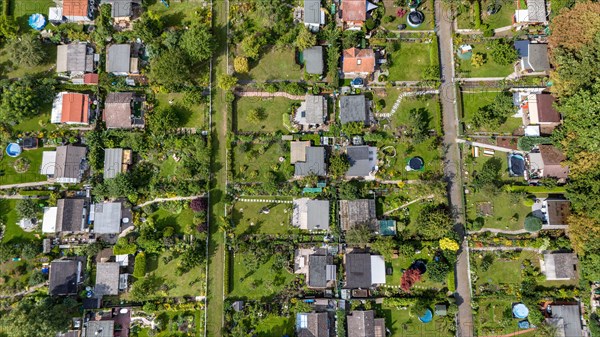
(450,281)
(477,10)
(527,143)
(139,268)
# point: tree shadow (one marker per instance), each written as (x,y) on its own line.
(151,262)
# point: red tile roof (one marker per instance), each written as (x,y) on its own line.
(358,61)
(90,79)
(75,7)
(354,10)
(75,108)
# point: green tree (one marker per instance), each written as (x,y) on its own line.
(119,186)
(26,51)
(353,128)
(502,51)
(255,116)
(163,119)
(477,60)
(489,174)
(305,39)
(27,208)
(148,27)
(252,44)
(37,316)
(139,268)
(240,64)
(198,43)
(385,245)
(348,190)
(533,223)
(433,223)
(148,288)
(226,82)
(438,270)
(418,124)
(170,69)
(8,27)
(495,114)
(338,165)
(359,236)
(23,98)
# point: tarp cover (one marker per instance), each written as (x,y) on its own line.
(37,21)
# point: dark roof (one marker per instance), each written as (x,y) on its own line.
(317,271)
(558,211)
(120,8)
(64,276)
(92,303)
(313,60)
(356,212)
(522,47)
(353,108)
(70,215)
(69,161)
(316,109)
(361,324)
(107,278)
(567,318)
(360,158)
(317,325)
(118,58)
(538,56)
(358,270)
(314,164)
(546,111)
(561,266)
(312,11)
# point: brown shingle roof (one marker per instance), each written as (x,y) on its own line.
(117,110)
(70,215)
(75,108)
(358,61)
(546,111)
(354,10)
(553,158)
(558,211)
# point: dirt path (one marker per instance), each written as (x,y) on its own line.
(268,94)
(32,184)
(26,292)
(431,196)
(515,333)
(168,199)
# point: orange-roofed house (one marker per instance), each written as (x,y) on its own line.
(71,11)
(358,62)
(71,108)
(354,12)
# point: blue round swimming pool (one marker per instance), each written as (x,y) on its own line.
(13,150)
(427,317)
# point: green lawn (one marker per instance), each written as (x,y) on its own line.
(276,65)
(274,325)
(9,216)
(409,104)
(248,169)
(409,61)
(391,9)
(401,263)
(488,69)
(22,9)
(177,11)
(501,19)
(191,283)
(403,323)
(270,109)
(278,221)
(9,69)
(8,174)
(494,317)
(189,116)
(37,123)
(179,221)
(259,283)
(472,102)
(173,323)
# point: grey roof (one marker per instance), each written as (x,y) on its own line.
(522,47)
(316,109)
(538,56)
(358,271)
(117,58)
(70,215)
(318,214)
(100,329)
(536,10)
(317,325)
(113,162)
(356,212)
(361,324)
(64,276)
(360,158)
(107,279)
(73,58)
(567,318)
(560,266)
(319,270)
(71,333)
(314,164)
(353,108)
(312,12)
(107,218)
(120,8)
(313,59)
(69,161)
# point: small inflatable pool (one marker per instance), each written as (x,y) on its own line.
(13,150)
(427,317)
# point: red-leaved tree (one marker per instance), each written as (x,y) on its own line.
(198,205)
(409,278)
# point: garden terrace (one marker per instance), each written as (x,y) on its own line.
(489,69)
(257,114)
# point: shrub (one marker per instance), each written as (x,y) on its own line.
(139,268)
(240,64)
(533,223)
(477,10)
(198,205)
(528,202)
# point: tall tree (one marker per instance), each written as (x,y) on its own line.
(35,316)
(26,50)
(198,43)
(359,236)
(170,69)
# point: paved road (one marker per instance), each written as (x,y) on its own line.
(452,169)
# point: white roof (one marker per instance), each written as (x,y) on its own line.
(56,116)
(532,131)
(377,269)
(522,15)
(48,163)
(123,260)
(49,220)
(55,14)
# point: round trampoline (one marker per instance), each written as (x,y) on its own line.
(427,317)
(416,163)
(420,265)
(13,150)
(520,311)
(415,18)
(357,82)
(37,21)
